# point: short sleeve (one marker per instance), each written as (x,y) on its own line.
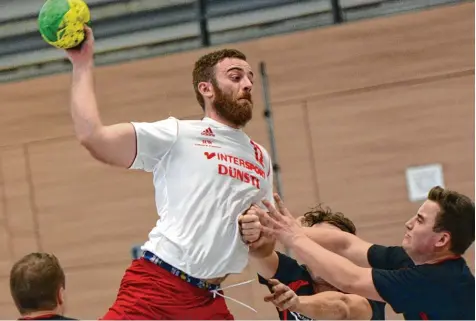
(287,269)
(378,310)
(262,280)
(286,272)
(400,288)
(388,257)
(154,140)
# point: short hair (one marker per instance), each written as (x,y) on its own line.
(456,216)
(204,68)
(35,281)
(319,215)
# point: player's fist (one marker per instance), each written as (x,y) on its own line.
(250,226)
(83,54)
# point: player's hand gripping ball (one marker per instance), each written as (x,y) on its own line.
(61,22)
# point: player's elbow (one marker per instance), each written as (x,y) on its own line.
(93,144)
(94,152)
(112,145)
(89,142)
(86,141)
(340,311)
(344,244)
(358,307)
(88,138)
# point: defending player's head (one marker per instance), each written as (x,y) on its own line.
(223,81)
(324,217)
(37,284)
(443,225)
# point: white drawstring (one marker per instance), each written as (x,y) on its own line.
(294,315)
(215,293)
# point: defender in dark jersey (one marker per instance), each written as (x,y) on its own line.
(37,285)
(314,295)
(304,296)
(425,278)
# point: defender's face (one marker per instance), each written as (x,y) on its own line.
(319,285)
(420,240)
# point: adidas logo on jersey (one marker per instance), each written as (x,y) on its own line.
(208,132)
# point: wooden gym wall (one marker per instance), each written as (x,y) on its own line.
(353,106)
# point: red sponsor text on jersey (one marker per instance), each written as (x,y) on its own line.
(236,161)
(236,173)
(241,162)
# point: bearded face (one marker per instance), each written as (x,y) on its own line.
(237,110)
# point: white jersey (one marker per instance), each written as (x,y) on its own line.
(205,175)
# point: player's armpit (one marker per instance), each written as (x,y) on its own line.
(114,145)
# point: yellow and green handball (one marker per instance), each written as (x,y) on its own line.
(61,22)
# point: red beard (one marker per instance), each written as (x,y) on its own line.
(237,111)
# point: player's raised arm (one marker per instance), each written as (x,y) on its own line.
(114,145)
(136,145)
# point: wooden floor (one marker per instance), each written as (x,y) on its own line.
(354,106)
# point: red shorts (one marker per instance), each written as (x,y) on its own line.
(148,292)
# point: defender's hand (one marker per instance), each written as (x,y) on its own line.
(282,296)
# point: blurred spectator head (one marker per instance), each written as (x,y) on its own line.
(37,284)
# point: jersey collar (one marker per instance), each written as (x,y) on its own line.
(217,124)
(45,316)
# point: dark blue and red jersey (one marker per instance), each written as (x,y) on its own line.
(443,290)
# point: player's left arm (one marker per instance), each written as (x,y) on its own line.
(328,305)
(333,305)
(335,269)
(399,288)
